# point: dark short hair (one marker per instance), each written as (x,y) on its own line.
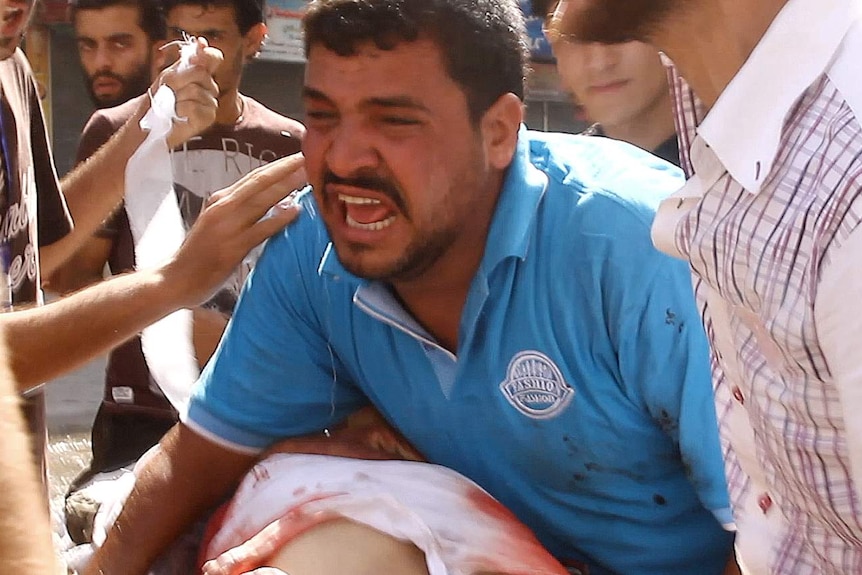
(483,42)
(542,8)
(151,19)
(248,12)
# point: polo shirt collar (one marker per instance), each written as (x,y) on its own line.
(744,126)
(514,217)
(517,207)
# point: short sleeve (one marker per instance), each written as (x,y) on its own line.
(97,131)
(273,375)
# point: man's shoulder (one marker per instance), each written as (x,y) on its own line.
(306,239)
(15,68)
(114,117)
(843,71)
(258,114)
(17,81)
(603,178)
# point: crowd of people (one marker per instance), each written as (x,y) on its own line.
(467,347)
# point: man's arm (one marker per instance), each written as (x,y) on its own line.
(88,263)
(839,331)
(84,267)
(49,340)
(188,476)
(95,188)
(25,537)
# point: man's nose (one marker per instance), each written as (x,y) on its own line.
(103,59)
(600,57)
(351,149)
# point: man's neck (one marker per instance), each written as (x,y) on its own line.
(436,299)
(230,108)
(710,41)
(649,130)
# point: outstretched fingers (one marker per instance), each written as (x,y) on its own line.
(251,198)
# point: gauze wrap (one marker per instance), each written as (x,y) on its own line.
(158,232)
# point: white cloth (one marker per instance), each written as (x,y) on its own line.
(461,529)
(158,232)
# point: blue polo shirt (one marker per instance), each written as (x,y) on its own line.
(580,392)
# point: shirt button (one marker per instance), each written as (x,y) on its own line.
(764,502)
(737,395)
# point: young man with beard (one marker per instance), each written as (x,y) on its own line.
(490,290)
(135,413)
(118,46)
(769,220)
(622,88)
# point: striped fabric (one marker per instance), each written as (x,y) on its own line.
(756,256)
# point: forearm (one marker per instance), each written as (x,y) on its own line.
(25,546)
(93,190)
(49,340)
(188,476)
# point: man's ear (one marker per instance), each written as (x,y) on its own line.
(253,40)
(500,125)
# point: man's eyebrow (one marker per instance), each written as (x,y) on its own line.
(120,36)
(313,94)
(401,102)
(183,32)
(396,102)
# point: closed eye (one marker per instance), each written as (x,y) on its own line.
(400,121)
(319,115)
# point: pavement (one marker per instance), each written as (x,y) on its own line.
(72,400)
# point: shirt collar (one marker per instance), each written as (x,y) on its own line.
(514,215)
(745,124)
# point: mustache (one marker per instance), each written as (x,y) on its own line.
(107,74)
(368,182)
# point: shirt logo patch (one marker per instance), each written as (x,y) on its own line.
(535,386)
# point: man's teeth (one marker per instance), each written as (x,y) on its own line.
(356,199)
(373,226)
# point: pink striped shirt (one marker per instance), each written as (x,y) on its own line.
(770,222)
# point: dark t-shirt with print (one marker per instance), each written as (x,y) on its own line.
(138,412)
(32,208)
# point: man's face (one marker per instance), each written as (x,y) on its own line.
(611,21)
(16,17)
(616,84)
(218,25)
(399,171)
(115,53)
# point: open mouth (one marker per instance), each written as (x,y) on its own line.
(367,214)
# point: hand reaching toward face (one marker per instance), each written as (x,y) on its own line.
(230,225)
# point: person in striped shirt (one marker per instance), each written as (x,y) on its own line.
(767,99)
